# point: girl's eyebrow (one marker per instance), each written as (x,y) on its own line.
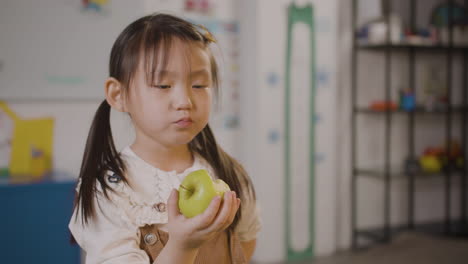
(165,72)
(200,72)
(172,73)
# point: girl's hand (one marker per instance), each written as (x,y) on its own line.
(191,233)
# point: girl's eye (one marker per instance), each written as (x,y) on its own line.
(162,86)
(199,86)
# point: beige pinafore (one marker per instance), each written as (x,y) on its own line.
(223,249)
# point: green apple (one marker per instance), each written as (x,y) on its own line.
(196,192)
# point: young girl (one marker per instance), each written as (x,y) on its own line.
(163,75)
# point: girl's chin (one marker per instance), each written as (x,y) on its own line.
(182,140)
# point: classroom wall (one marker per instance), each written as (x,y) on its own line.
(262,120)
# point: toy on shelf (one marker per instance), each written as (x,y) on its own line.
(380,106)
(435,91)
(440,21)
(407,100)
(31,147)
(455,158)
(436,159)
(431,160)
(374,32)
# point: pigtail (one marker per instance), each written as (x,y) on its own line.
(100,156)
(226,167)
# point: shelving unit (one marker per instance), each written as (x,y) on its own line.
(386,175)
(418,47)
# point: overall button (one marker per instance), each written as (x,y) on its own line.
(150,239)
(160,207)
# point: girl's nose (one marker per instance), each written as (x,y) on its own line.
(183,99)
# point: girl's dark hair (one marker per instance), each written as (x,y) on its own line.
(147,38)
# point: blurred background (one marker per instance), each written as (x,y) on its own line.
(349,115)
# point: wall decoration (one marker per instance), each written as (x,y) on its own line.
(323,77)
(319,157)
(273,79)
(273,136)
(199,6)
(317,118)
(300,145)
(94,5)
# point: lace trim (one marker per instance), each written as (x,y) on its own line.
(141,211)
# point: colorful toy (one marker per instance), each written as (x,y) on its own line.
(407,100)
(95,5)
(383,106)
(431,164)
(435,159)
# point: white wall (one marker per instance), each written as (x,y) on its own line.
(263,46)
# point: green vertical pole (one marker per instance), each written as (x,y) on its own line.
(299,15)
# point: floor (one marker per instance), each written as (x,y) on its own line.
(407,248)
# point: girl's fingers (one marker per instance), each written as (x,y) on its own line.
(231,212)
(206,218)
(172,205)
(222,220)
(234,208)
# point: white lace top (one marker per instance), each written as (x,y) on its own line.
(113,235)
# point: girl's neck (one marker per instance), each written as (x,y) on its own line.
(167,159)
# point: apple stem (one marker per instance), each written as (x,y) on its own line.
(185,188)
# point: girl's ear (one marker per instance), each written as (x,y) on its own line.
(114,94)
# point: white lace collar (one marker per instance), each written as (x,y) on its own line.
(198,163)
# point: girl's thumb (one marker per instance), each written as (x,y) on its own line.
(173,204)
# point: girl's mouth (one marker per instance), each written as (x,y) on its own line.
(184,122)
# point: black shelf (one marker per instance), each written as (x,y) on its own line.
(386,174)
(400,175)
(403,47)
(422,111)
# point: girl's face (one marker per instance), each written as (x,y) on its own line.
(173,109)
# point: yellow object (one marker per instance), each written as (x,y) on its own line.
(31,146)
(430,164)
